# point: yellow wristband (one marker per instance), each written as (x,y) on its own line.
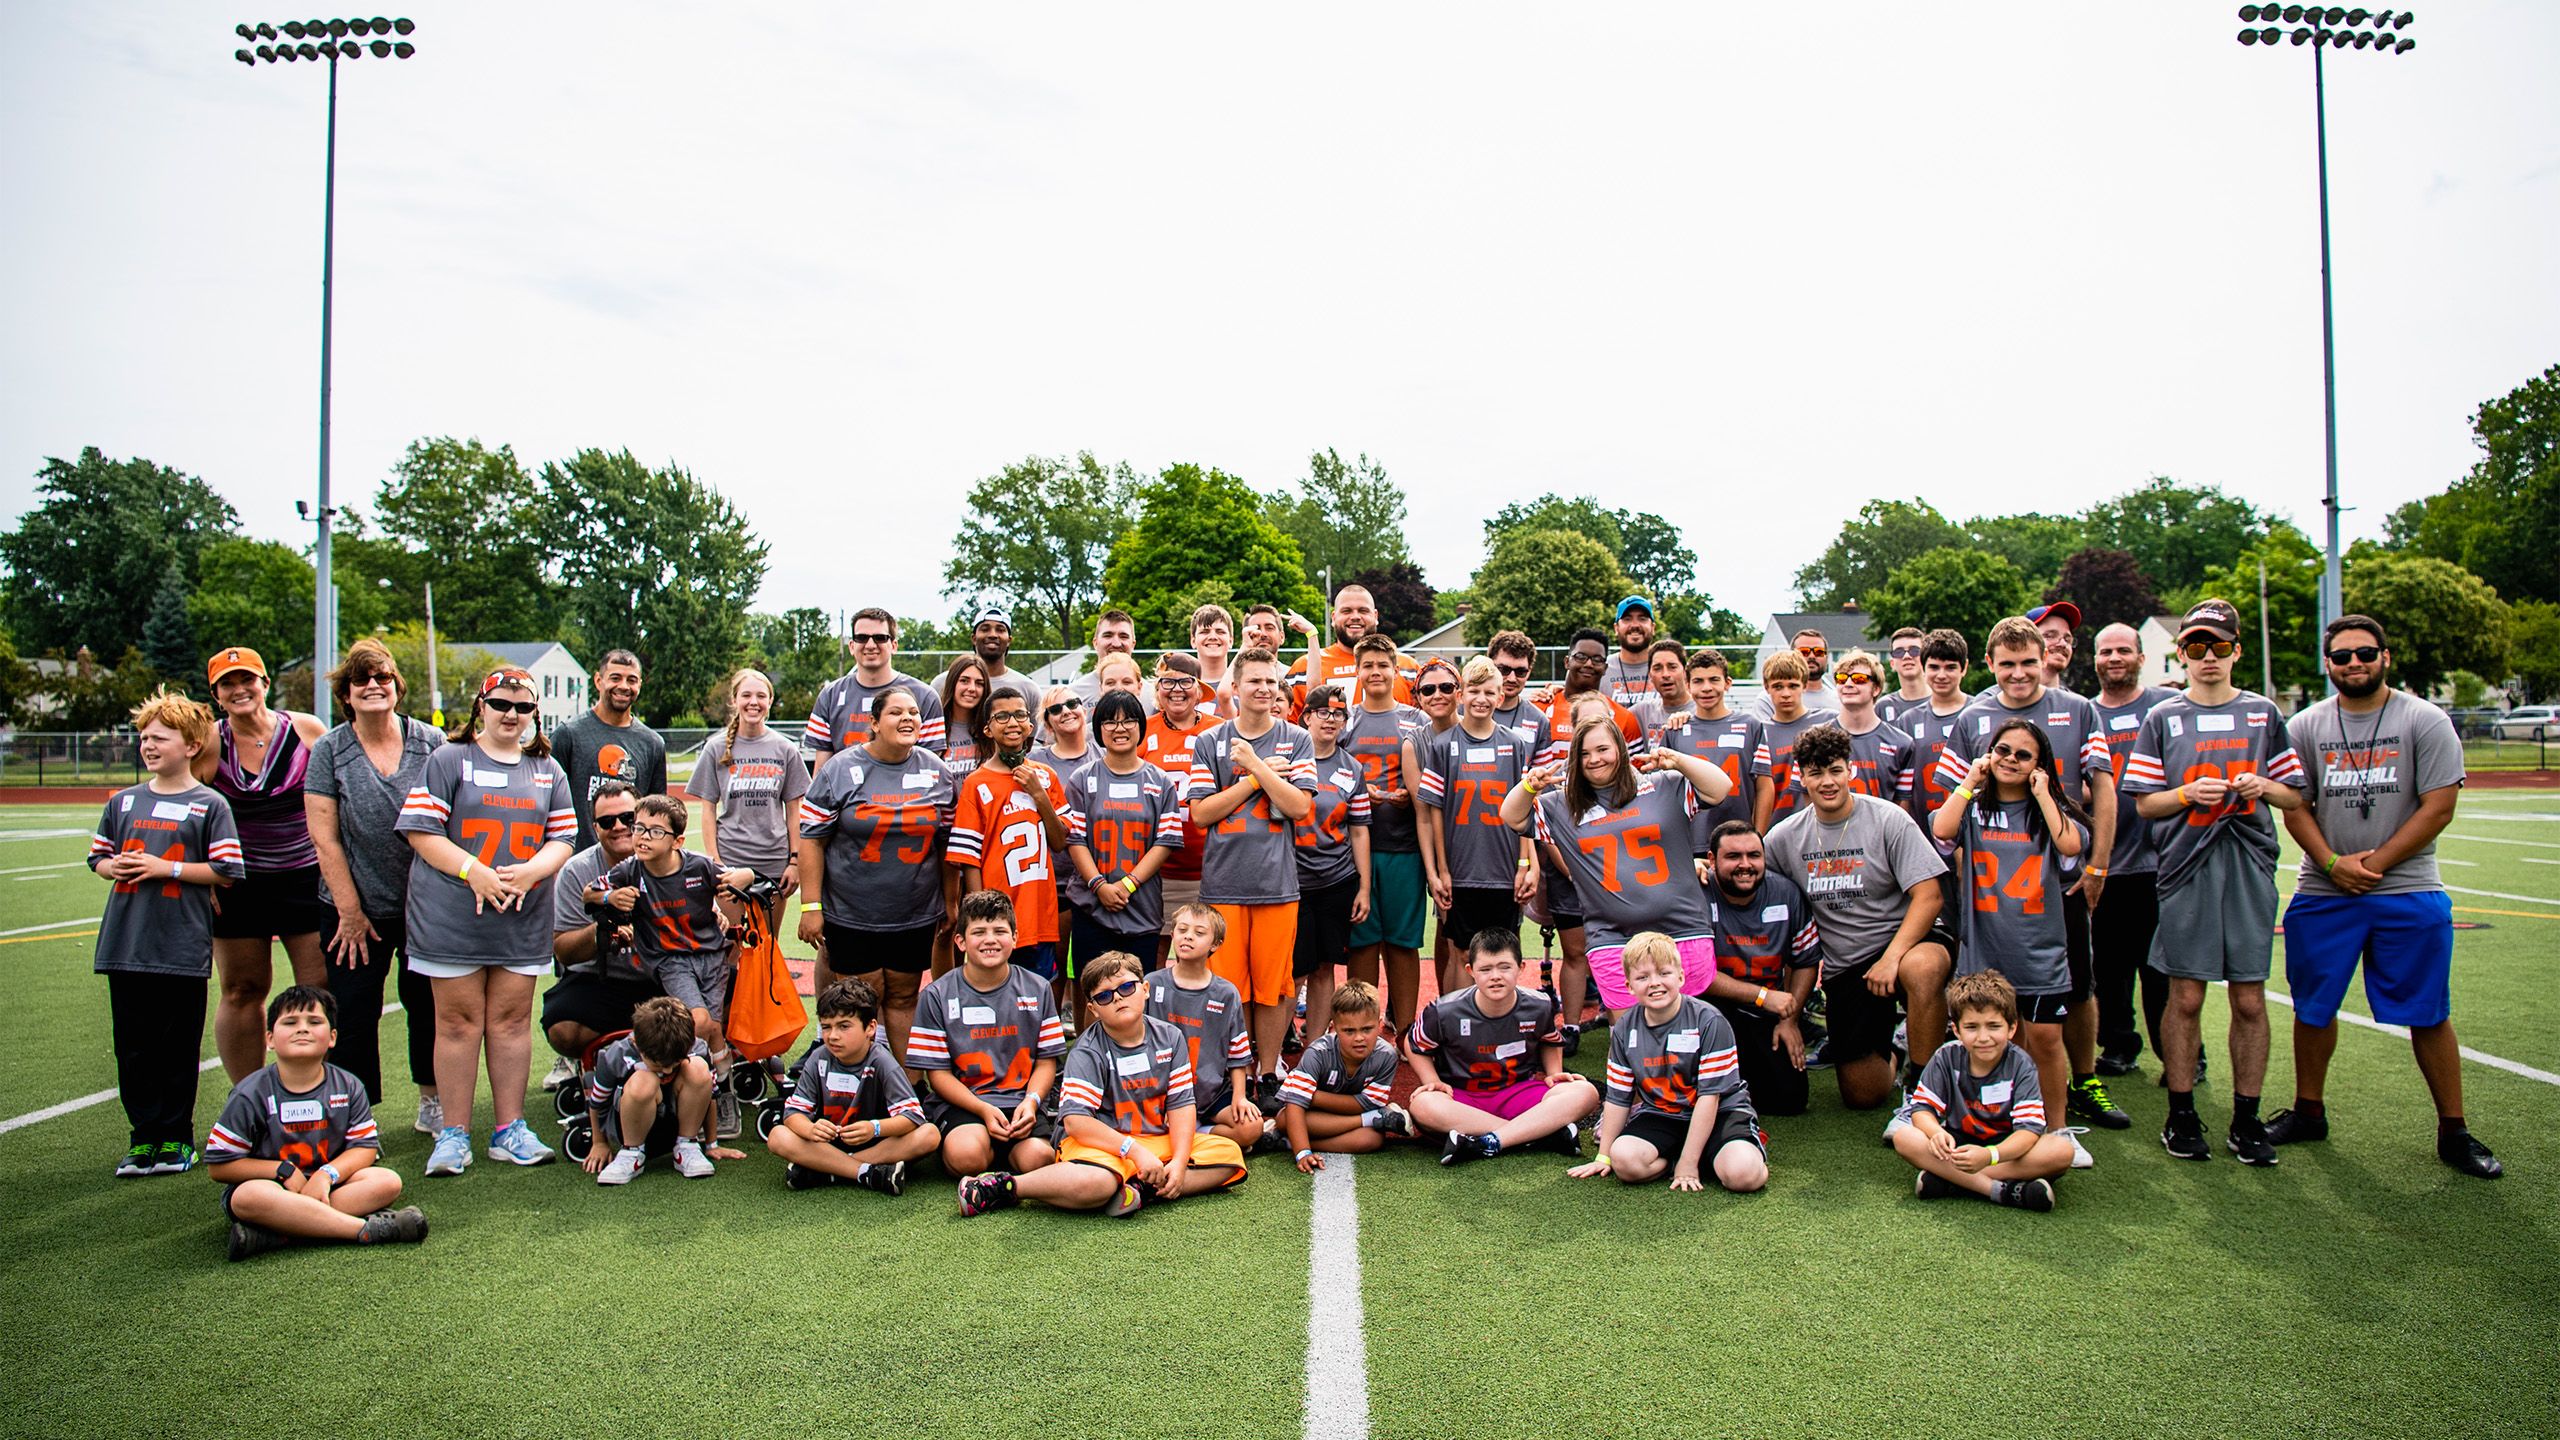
(1963,794)
(465,872)
(1128,884)
(1995,1156)
(1529,785)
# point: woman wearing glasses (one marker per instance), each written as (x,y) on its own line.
(489,824)
(361,773)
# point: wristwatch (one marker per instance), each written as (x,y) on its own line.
(284,1171)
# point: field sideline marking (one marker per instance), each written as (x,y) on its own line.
(2458,910)
(32,869)
(2484,1057)
(51,1112)
(55,925)
(1337,1349)
(40,939)
(2494,840)
(2502,895)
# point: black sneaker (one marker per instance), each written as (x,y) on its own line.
(2464,1152)
(2184,1137)
(889,1179)
(248,1240)
(136,1162)
(2115,1065)
(404,1226)
(1572,1041)
(2036,1195)
(2164,1075)
(801,1177)
(2090,1102)
(1933,1186)
(1460,1148)
(1397,1121)
(2248,1140)
(1272,1141)
(1266,1094)
(174,1157)
(1567,1141)
(2292,1127)
(990,1191)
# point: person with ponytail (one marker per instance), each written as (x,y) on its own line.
(752,779)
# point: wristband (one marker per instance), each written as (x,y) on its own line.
(1761,1000)
(1963,794)
(334,1177)
(2332,865)
(2100,874)
(1303,1154)
(177,869)
(875,1132)
(2182,797)
(1529,785)
(1129,885)
(465,872)
(1524,862)
(1603,1161)
(1995,1156)
(1126,1142)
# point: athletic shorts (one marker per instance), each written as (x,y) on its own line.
(1399,902)
(449,970)
(2405,942)
(1861,1021)
(1475,909)
(1564,904)
(1207,1150)
(270,904)
(1508,1103)
(2048,1009)
(1040,959)
(661,1139)
(1093,940)
(1609,970)
(1259,951)
(701,979)
(1667,1133)
(1324,927)
(593,1002)
(860,952)
(2219,923)
(947,1117)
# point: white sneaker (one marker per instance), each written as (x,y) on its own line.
(430,1115)
(2081,1159)
(691,1163)
(623,1168)
(563,1070)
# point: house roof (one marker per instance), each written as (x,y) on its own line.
(523,654)
(1446,636)
(1842,630)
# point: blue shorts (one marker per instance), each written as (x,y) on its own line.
(1040,959)
(2405,942)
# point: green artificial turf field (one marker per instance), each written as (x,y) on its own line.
(2359,1288)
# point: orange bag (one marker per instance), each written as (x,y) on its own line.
(765,1013)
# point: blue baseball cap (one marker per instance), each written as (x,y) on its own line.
(1634,602)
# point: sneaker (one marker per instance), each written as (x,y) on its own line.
(452,1154)
(1461,1147)
(1397,1121)
(248,1240)
(136,1162)
(2081,1159)
(889,1179)
(801,1177)
(2248,1140)
(2089,1101)
(1572,1041)
(725,1106)
(2115,1065)
(691,1163)
(1907,1079)
(518,1145)
(2464,1152)
(430,1115)
(1266,1094)
(563,1070)
(1127,1202)
(173,1157)
(2293,1127)
(1272,1141)
(624,1167)
(1935,1187)
(404,1226)
(2184,1138)
(990,1191)
(2036,1195)
(1817,1052)
(1567,1141)
(1488,1145)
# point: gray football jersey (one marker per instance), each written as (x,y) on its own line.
(1854,874)
(1932,736)
(991,1039)
(841,717)
(1252,854)
(2181,742)
(1663,1069)
(618,1062)
(2013,882)
(2134,853)
(1979,1109)
(1633,868)
(1070,772)
(1134,1089)
(157,926)
(1765,934)
(1464,779)
(500,814)
(1117,819)
(1341,806)
(1879,764)
(2363,776)
(1322,1070)
(872,1088)
(1728,744)
(2070,724)
(1211,1020)
(1376,740)
(885,828)
(1775,758)
(262,1120)
(1476,1051)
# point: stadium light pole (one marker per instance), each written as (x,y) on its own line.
(324,40)
(2325,29)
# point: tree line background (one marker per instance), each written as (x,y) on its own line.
(128,572)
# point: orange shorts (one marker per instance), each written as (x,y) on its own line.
(1206,1150)
(1261,947)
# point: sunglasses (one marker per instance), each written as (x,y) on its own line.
(1441,689)
(613,822)
(2198,649)
(378,677)
(2356,654)
(510,707)
(651,832)
(1816,653)
(1121,991)
(1062,707)
(1514,672)
(872,639)
(1843,677)
(1906,652)
(2012,752)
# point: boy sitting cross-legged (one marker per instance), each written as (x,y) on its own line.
(987,1040)
(1336,1098)
(650,1093)
(1676,1097)
(1488,1062)
(295,1146)
(1132,1131)
(1976,1099)
(852,1119)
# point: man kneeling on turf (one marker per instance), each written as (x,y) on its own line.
(1976,1099)
(650,1093)
(1335,1100)
(852,1118)
(1675,1094)
(1471,1062)
(1126,1109)
(295,1146)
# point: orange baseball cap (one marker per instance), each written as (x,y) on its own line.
(236,657)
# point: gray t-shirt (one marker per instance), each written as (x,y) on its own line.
(2182,741)
(754,790)
(1854,874)
(590,752)
(2363,777)
(369,809)
(617,954)
(2134,854)
(1979,1109)
(1663,1069)
(158,926)
(1252,854)
(883,828)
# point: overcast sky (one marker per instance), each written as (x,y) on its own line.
(1747,267)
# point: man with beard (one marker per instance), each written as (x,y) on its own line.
(2055,625)
(1355,618)
(1767,956)
(2128,909)
(2384,771)
(992,638)
(1629,673)
(606,743)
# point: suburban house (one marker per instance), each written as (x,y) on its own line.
(2159,639)
(559,681)
(1842,630)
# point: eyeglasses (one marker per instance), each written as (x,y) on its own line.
(1440,689)
(1585,657)
(1121,991)
(1843,677)
(2356,654)
(2198,649)
(2012,752)
(1512,672)
(1176,682)
(651,832)
(860,638)
(613,822)
(1906,652)
(1329,712)
(1062,707)
(510,707)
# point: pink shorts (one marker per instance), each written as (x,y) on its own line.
(1609,970)
(1508,1103)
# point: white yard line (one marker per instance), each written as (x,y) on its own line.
(33,869)
(2503,895)
(1337,1349)
(2493,840)
(2465,864)
(56,925)
(40,834)
(52,1112)
(2537,860)
(2482,1056)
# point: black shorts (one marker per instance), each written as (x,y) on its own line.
(1667,1133)
(1473,910)
(1324,927)
(2075,946)
(270,904)
(859,952)
(1776,1086)
(593,1002)
(2048,1009)
(1861,1021)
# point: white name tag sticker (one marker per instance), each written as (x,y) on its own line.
(489,779)
(1137,1064)
(301,1112)
(2123,722)
(977,1015)
(1128,791)
(1684,1043)
(2213,722)
(839,1083)
(1479,754)
(920,780)
(1773,915)
(1728,742)
(169,810)
(1510,1049)
(2057,717)
(1996,1093)
(853,777)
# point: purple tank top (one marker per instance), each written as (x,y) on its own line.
(267,806)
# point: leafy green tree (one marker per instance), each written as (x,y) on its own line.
(1656,556)
(1347,517)
(168,637)
(2036,544)
(86,695)
(1545,584)
(255,593)
(2441,617)
(654,561)
(2533,648)
(1954,586)
(2502,520)
(17,682)
(1037,537)
(799,649)
(477,513)
(456,668)
(1195,524)
(1581,515)
(1884,536)
(2177,533)
(85,564)
(2291,651)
